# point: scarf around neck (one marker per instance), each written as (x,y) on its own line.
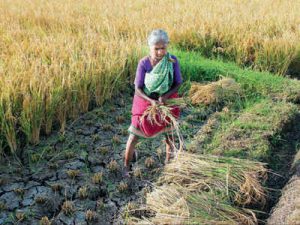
(160,79)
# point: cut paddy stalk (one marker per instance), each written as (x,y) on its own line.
(204,189)
(224,91)
(236,182)
(238,179)
(161,115)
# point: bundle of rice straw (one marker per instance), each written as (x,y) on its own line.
(205,189)
(238,179)
(174,205)
(214,92)
(161,114)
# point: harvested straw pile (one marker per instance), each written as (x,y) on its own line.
(218,92)
(238,179)
(173,205)
(205,189)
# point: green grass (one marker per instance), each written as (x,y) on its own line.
(195,67)
(249,134)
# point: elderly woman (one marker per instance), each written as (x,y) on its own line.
(157,79)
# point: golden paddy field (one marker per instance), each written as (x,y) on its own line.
(78,53)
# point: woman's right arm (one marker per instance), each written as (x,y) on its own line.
(139,91)
(139,83)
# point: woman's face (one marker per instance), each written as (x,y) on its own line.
(158,51)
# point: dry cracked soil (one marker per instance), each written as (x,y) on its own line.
(75,177)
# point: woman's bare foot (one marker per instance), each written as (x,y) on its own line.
(135,156)
(129,151)
(126,172)
(169,150)
(169,156)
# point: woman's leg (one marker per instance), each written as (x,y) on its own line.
(131,142)
(169,148)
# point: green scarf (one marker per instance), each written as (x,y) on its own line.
(160,79)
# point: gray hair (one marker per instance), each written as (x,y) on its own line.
(157,36)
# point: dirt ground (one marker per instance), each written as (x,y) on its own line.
(76,178)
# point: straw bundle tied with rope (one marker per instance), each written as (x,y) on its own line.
(214,92)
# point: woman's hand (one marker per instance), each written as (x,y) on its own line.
(140,92)
(162,99)
(154,102)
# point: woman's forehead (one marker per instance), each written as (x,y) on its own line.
(160,45)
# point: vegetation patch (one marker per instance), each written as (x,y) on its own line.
(252,134)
